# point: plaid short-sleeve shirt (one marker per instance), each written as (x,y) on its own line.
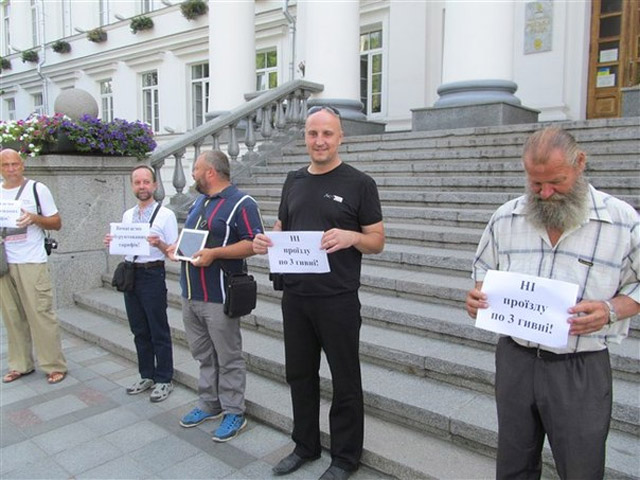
(602,256)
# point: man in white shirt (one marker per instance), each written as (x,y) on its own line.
(146,304)
(26,294)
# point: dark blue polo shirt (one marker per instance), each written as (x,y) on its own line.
(230,216)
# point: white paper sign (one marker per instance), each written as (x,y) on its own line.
(610,55)
(9,213)
(297,252)
(606,80)
(527,307)
(129,239)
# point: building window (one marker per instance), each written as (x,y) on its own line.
(371,71)
(34,24)
(266,69)
(11,108)
(150,101)
(106,100)
(6,23)
(199,93)
(38,104)
(104,12)
(67,27)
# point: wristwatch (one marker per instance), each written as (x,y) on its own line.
(613,316)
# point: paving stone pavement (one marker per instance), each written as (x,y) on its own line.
(87,427)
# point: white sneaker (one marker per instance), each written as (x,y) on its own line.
(140,386)
(161,391)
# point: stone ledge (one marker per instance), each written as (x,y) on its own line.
(478,115)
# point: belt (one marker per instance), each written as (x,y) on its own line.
(553,357)
(156,264)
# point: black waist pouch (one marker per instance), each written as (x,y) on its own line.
(124,278)
(241,292)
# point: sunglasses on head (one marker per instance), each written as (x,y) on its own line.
(328,108)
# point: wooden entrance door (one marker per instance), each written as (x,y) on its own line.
(614,61)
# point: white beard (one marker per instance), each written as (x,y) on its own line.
(560,211)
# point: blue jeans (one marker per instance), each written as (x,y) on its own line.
(147,312)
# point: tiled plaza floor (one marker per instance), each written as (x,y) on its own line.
(87,427)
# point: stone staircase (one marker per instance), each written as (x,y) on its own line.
(427,371)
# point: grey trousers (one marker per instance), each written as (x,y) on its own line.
(566,397)
(215,342)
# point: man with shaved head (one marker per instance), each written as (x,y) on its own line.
(322,311)
(26,293)
(563,229)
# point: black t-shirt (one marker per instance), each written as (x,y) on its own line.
(343,198)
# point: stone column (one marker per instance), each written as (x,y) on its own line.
(232,54)
(477,70)
(90,192)
(331,53)
(478,53)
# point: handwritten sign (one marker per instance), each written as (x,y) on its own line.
(129,239)
(9,213)
(297,252)
(527,307)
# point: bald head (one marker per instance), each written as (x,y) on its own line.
(12,167)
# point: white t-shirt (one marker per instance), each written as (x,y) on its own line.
(164,225)
(27,245)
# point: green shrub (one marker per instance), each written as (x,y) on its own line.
(192,9)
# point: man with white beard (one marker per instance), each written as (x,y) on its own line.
(563,229)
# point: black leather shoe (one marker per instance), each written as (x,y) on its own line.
(335,473)
(290,463)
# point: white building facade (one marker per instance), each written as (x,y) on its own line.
(390,56)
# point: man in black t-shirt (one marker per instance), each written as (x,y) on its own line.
(322,311)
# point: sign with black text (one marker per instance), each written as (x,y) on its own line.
(297,252)
(129,239)
(527,307)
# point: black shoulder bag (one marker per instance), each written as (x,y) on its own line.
(124,277)
(240,288)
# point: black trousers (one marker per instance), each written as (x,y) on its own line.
(332,324)
(147,313)
(566,397)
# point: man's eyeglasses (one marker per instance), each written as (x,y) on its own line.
(328,108)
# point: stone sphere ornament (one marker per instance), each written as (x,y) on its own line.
(75,102)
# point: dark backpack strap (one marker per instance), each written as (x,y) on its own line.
(155,212)
(35,195)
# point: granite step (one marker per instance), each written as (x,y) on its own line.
(423,404)
(468,218)
(423,234)
(432,307)
(414,356)
(452,262)
(391,448)
(604,165)
(426,199)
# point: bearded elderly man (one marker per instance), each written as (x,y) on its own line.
(563,229)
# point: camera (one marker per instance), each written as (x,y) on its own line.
(50,244)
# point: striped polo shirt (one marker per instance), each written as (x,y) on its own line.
(602,256)
(230,216)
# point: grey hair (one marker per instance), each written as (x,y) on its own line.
(218,161)
(538,146)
